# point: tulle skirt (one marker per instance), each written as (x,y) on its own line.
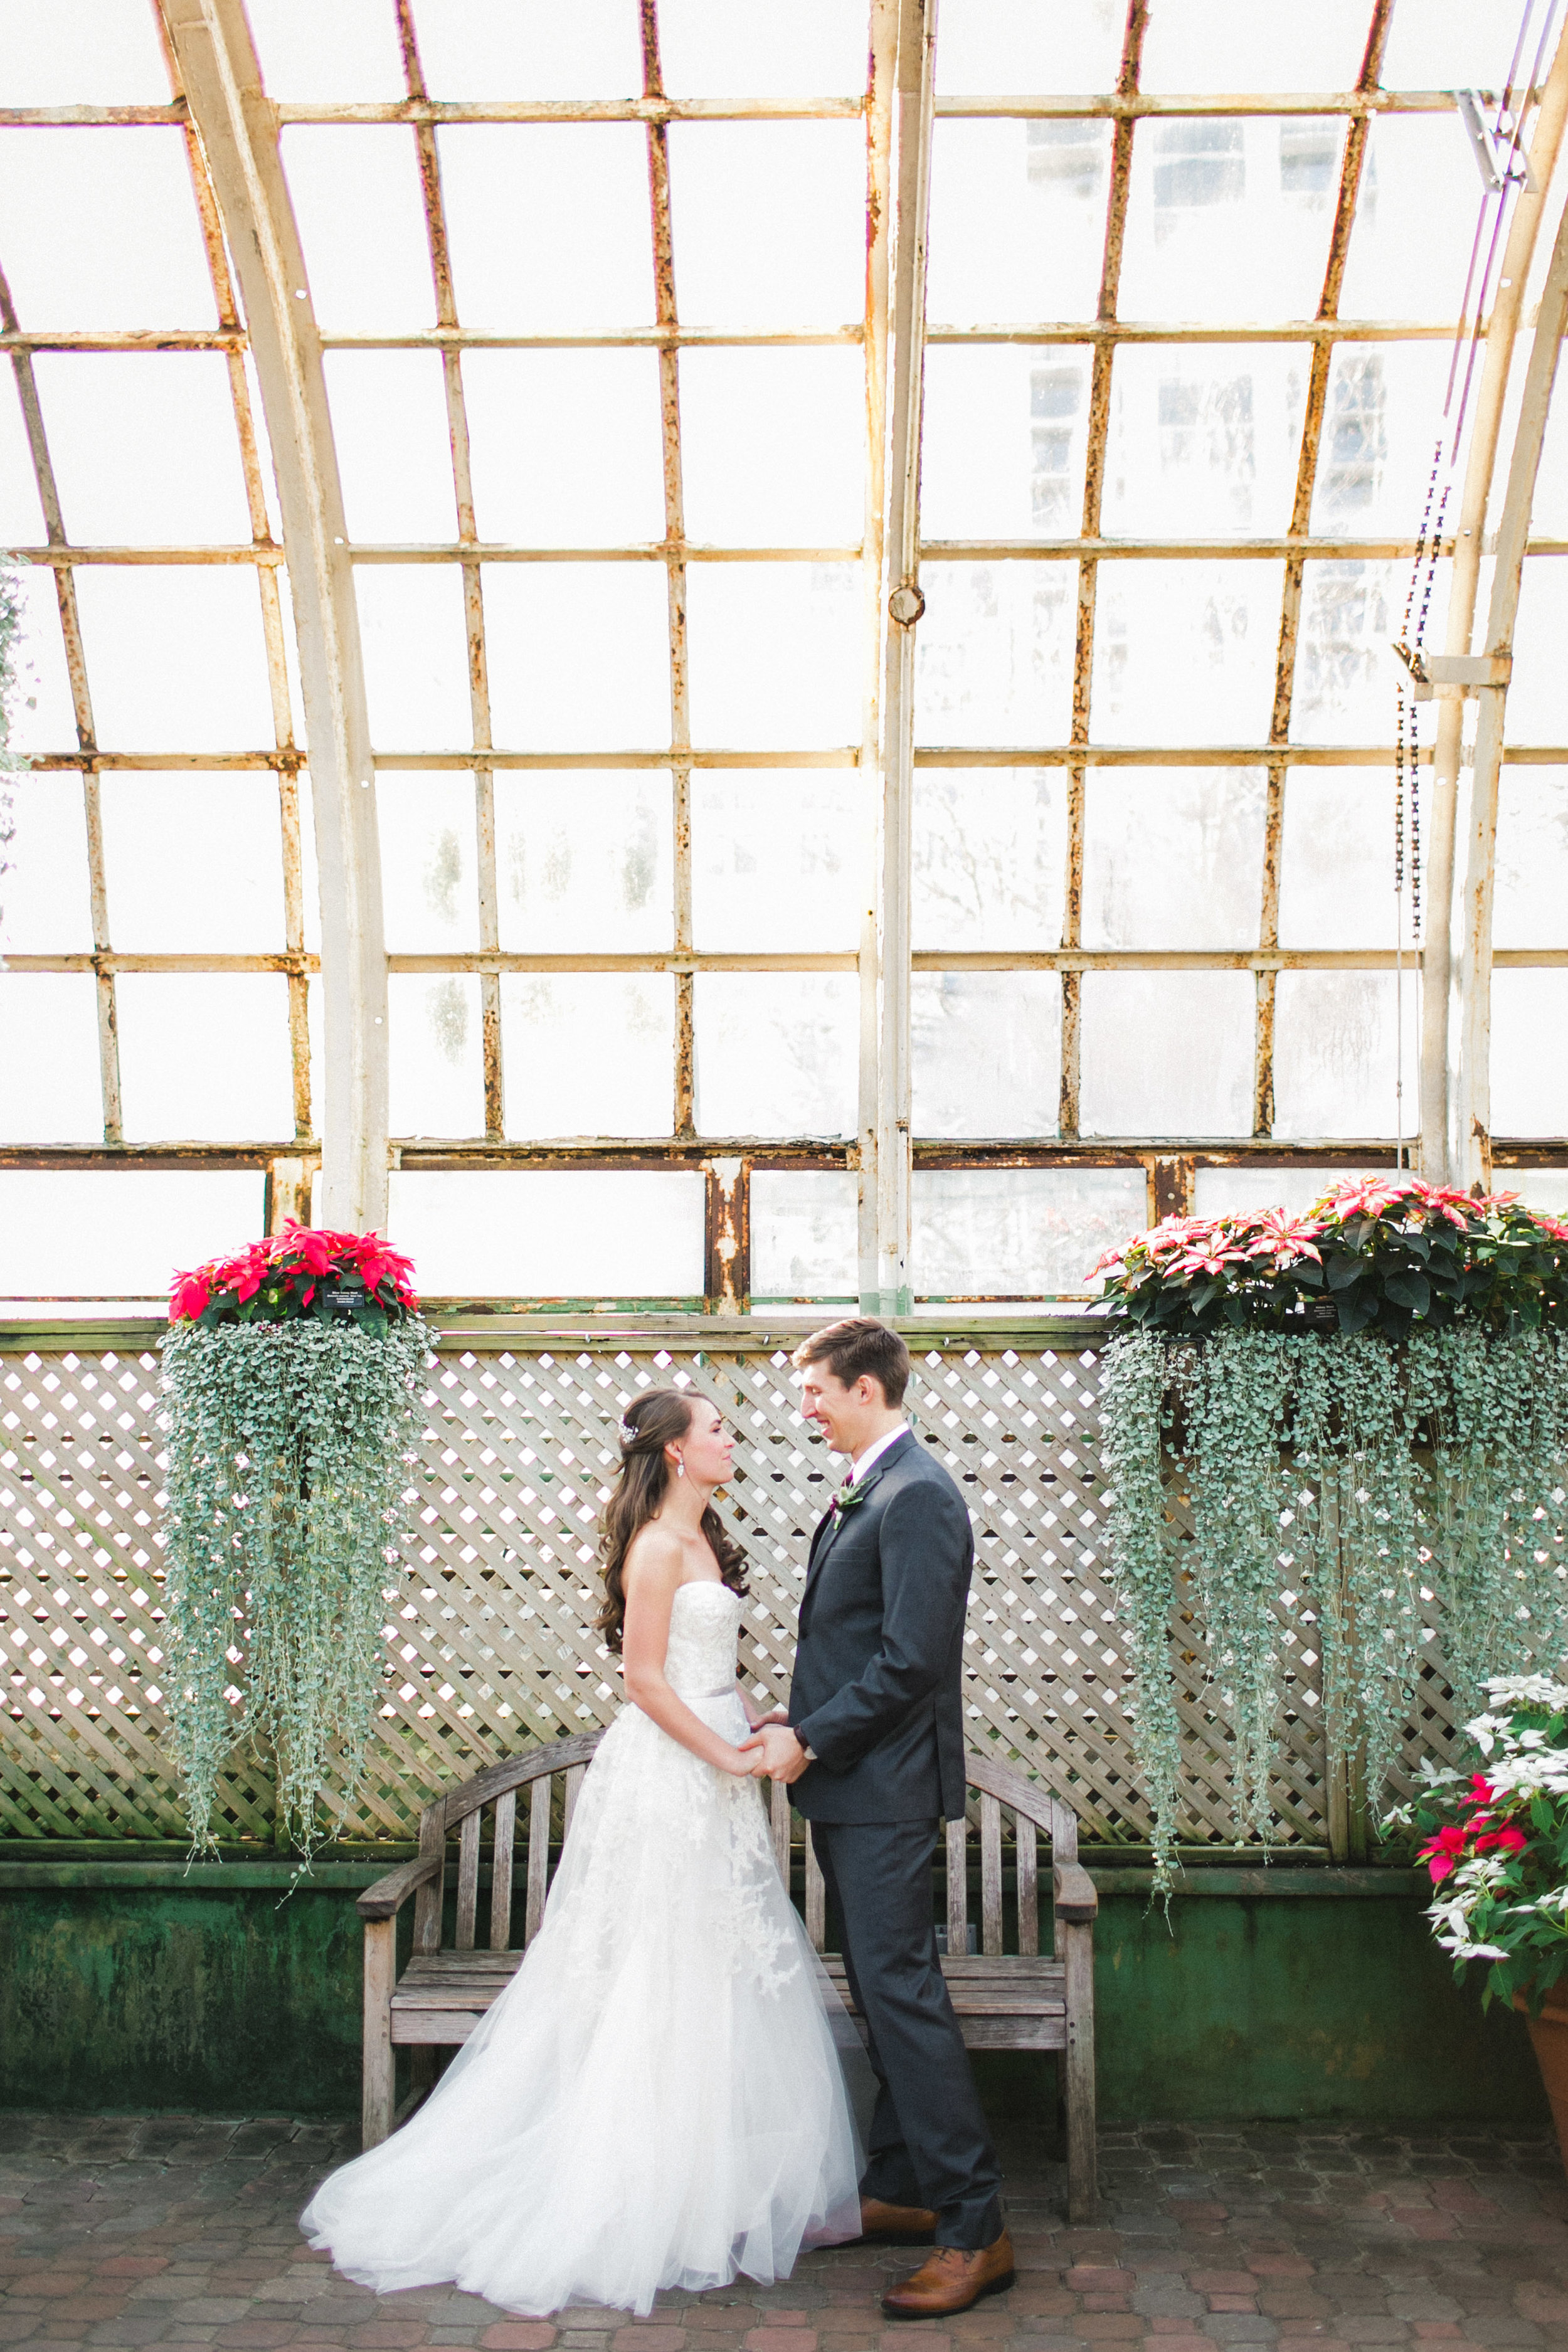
(660,2096)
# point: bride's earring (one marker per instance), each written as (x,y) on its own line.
(680,1468)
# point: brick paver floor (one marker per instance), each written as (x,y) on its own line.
(117,2232)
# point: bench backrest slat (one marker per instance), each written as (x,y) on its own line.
(957,1888)
(815,1898)
(538,1855)
(778,1804)
(1029,1885)
(501,1884)
(990,1877)
(468,1880)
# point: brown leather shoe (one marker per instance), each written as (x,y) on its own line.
(951,2280)
(882,2224)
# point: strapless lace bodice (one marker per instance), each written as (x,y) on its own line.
(704,1624)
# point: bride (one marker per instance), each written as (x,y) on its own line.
(658,2098)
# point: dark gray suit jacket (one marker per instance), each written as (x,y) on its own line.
(877,1689)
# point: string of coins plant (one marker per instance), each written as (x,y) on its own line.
(291,1377)
(1366,1409)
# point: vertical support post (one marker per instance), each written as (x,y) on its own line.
(880,68)
(727,1282)
(903,603)
(1443,1152)
(1473,1078)
(379,1975)
(1074,1946)
(237,125)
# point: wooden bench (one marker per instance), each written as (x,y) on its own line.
(1005,2000)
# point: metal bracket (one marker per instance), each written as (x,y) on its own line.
(1501,162)
(1449,677)
(906,604)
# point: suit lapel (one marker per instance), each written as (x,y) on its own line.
(828,1526)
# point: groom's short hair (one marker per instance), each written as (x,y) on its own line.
(858,1346)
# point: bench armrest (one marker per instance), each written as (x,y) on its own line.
(388,1895)
(1073,1895)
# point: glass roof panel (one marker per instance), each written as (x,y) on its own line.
(102,229)
(549,226)
(1453,45)
(710,49)
(1229,219)
(778,862)
(1172,857)
(92,53)
(995,653)
(1381,419)
(580,1042)
(1334,1053)
(582,862)
(776,657)
(175,657)
(435,1081)
(1529,1088)
(428,887)
(578,655)
(1184,653)
(44,903)
(344,53)
(1003,439)
(1230,44)
(1535,696)
(989,856)
(48,1051)
(1351,612)
(415,654)
(986,1049)
(1167,1053)
(116,1232)
(1022,1232)
(1532,905)
(769,223)
(219,834)
(355,193)
(564,446)
(1414,223)
(1336,875)
(21,516)
(42,718)
(1011,47)
(205,1053)
(773,446)
(395,455)
(1017,220)
(144,447)
(1204,441)
(472,50)
(776,1053)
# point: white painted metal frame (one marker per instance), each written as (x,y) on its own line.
(238,131)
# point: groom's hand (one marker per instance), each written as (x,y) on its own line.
(780,1755)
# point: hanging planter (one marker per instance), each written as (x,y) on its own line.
(291,1372)
(1365,1411)
(1495,1844)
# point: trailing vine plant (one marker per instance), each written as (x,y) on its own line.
(1385,1463)
(291,1375)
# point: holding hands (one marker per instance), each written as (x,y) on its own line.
(778,1754)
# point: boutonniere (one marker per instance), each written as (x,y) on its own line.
(845,1499)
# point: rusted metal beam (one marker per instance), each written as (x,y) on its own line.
(656,114)
(902,603)
(1472,1086)
(1443,1151)
(1351,167)
(727,1285)
(222,79)
(81,711)
(882,69)
(297,963)
(937,551)
(1127,75)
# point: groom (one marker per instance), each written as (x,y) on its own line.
(874,1749)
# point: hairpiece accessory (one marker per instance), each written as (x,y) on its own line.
(626,1432)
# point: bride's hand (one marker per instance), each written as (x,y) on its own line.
(756,1718)
(740,1764)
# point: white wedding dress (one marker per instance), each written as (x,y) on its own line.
(658,2098)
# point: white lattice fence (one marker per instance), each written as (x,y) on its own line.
(489,1639)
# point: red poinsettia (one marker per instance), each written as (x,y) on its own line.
(304,1270)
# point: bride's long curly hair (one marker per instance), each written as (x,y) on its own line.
(658,1418)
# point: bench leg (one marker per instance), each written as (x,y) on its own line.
(1077,1946)
(380,1974)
